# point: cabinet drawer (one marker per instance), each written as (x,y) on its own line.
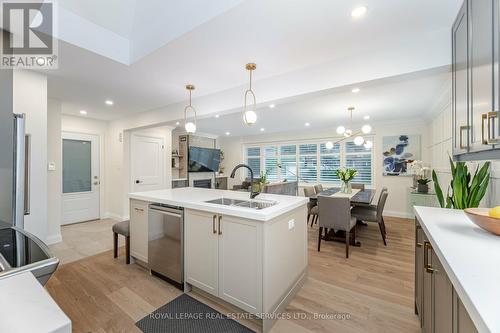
(139,230)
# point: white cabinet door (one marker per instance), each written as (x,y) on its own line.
(201,251)
(240,263)
(139,230)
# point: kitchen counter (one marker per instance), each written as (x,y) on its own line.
(26,307)
(194,198)
(471,259)
(253,259)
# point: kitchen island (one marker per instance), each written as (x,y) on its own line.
(251,254)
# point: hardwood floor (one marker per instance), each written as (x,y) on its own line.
(373,288)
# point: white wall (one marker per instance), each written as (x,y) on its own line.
(440,148)
(118,162)
(30,98)
(54,178)
(398,187)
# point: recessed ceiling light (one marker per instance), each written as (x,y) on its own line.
(307,124)
(262,129)
(366,117)
(356,90)
(359,12)
(83,112)
(217,116)
(272,106)
(109,102)
(228,133)
(177,123)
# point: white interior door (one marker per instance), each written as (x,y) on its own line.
(81,178)
(147,163)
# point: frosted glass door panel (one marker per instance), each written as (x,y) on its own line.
(77,166)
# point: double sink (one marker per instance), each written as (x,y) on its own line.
(253,204)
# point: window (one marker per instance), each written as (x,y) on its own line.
(271,163)
(329,162)
(253,160)
(359,158)
(311,162)
(288,162)
(308,162)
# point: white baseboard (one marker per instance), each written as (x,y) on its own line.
(53,239)
(113,216)
(404,215)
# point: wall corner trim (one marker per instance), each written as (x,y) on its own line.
(53,239)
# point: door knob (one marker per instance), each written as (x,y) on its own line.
(138,181)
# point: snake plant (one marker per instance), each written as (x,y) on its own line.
(464,191)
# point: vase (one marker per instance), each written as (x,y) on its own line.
(346,187)
(422,188)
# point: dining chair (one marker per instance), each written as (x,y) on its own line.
(358,186)
(373,213)
(335,213)
(312,209)
(318,188)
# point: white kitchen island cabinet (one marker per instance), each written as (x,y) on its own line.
(252,259)
(139,230)
(224,258)
(253,265)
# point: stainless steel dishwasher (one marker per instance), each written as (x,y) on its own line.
(166,242)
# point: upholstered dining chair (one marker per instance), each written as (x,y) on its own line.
(335,213)
(358,186)
(312,209)
(373,213)
(318,188)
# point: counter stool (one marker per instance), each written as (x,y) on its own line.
(122,228)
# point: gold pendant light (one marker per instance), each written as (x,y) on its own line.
(190,126)
(249,115)
(348,132)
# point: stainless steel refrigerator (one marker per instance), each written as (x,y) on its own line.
(14,157)
(19,250)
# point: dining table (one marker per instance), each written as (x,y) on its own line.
(357,197)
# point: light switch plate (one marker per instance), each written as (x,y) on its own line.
(52,166)
(291,224)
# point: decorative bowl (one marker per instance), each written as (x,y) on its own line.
(481,218)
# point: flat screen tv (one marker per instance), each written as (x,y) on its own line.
(203,159)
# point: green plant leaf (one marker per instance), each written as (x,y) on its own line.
(437,189)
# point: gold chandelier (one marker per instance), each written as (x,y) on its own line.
(348,132)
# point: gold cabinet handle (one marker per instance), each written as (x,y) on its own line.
(417,227)
(213,224)
(493,115)
(427,266)
(484,117)
(461,131)
(220,230)
(138,209)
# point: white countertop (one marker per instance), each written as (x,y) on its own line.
(25,306)
(471,258)
(194,198)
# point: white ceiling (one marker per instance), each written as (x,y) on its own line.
(299,48)
(408,96)
(146,25)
